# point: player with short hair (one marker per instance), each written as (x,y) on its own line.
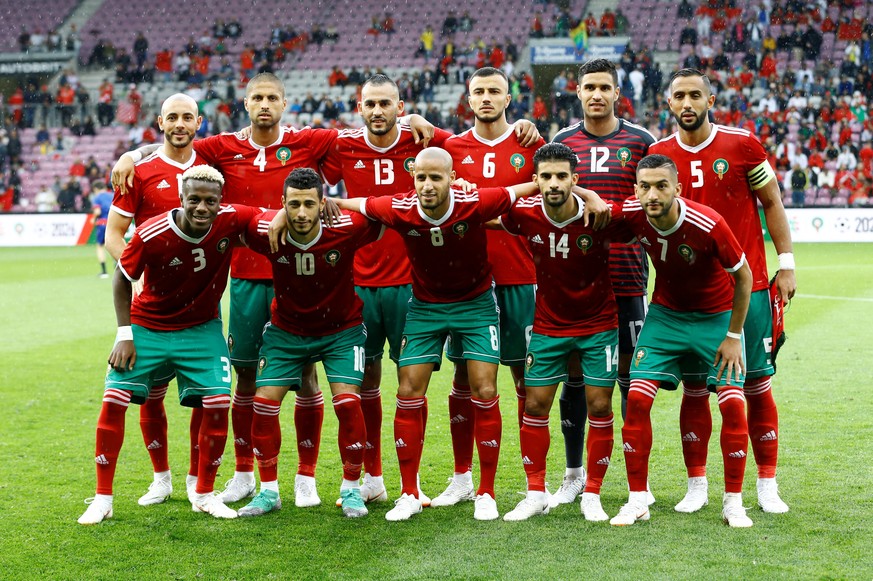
(316,316)
(576,313)
(101,201)
(255,164)
(609,149)
(697,313)
(173,325)
(376,160)
(491,154)
(442,229)
(154,191)
(727,169)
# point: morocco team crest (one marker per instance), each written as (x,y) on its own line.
(584,243)
(230,342)
(720,167)
(460,228)
(529,361)
(686,253)
(403,342)
(409,164)
(222,245)
(332,257)
(283,155)
(639,356)
(262,364)
(517,161)
(624,155)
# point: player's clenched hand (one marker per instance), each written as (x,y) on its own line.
(786,284)
(464,185)
(123,356)
(277,231)
(122,174)
(729,359)
(597,213)
(331,212)
(422,129)
(527,133)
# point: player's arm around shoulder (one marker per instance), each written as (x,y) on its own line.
(527,133)
(597,213)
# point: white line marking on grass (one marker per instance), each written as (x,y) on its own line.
(831,298)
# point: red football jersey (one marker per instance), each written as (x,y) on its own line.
(692,259)
(185,277)
(254,176)
(574,290)
(314,283)
(449,256)
(157,181)
(608,165)
(501,162)
(723,173)
(368,171)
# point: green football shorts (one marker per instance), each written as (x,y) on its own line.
(284,355)
(546,362)
(198,355)
(250,302)
(474,328)
(384,316)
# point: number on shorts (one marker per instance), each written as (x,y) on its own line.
(495,337)
(635,328)
(225,367)
(436,237)
(611,357)
(359,358)
(199,259)
(305,263)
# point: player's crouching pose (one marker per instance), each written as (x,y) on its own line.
(576,313)
(316,316)
(696,314)
(173,324)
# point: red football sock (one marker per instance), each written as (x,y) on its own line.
(110,436)
(763,425)
(599,447)
(487,429)
(352,433)
(637,432)
(153,424)
(194,440)
(461,424)
(535,440)
(695,425)
(241,418)
(371,406)
(213,437)
(521,396)
(407,441)
(734,437)
(308,418)
(266,437)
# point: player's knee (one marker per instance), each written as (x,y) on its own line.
(245,380)
(599,406)
(461,376)
(536,406)
(372,375)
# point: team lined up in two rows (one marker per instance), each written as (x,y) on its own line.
(436,241)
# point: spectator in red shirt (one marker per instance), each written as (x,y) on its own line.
(607,23)
(496,56)
(66,99)
(337,77)
(77,169)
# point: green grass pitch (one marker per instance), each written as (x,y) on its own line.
(56,329)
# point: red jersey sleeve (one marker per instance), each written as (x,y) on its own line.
(209,148)
(439,137)
(133,259)
(727,248)
(366,230)
(332,167)
(322,142)
(256,232)
(127,204)
(494,201)
(380,209)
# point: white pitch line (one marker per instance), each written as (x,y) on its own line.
(831,298)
